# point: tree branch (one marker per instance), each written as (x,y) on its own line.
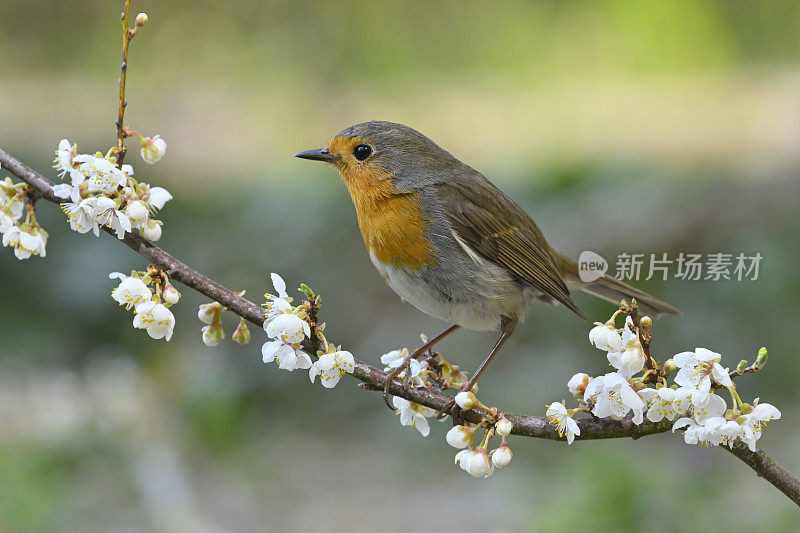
(373,378)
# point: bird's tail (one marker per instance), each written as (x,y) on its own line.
(611,289)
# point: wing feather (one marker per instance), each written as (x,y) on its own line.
(502,232)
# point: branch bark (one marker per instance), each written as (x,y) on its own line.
(374,379)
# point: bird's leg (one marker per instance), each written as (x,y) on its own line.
(406,364)
(507,326)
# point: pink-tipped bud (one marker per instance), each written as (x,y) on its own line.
(242,333)
(213,334)
(171,294)
(153,149)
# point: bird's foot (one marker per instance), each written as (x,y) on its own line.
(404,366)
(451,408)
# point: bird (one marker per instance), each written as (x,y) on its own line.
(450,242)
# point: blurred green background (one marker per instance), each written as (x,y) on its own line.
(644,126)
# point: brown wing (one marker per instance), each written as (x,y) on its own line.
(503,233)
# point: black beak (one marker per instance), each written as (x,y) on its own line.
(319,154)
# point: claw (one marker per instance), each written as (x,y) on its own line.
(404,366)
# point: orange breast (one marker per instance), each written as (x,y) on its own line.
(391,222)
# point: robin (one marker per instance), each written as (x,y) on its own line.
(450,242)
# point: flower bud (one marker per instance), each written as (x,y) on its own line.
(213,334)
(646,322)
(459,437)
(242,333)
(467,400)
(670,366)
(141,20)
(577,384)
(153,149)
(208,313)
(741,366)
(151,231)
(171,294)
(503,427)
(502,456)
(479,465)
(137,211)
(761,360)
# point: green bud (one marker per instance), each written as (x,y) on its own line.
(646,322)
(670,366)
(141,20)
(761,360)
(747,408)
(242,333)
(741,366)
(305,289)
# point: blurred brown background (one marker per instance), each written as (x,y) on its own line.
(621,126)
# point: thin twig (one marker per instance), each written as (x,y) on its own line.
(374,379)
(126,41)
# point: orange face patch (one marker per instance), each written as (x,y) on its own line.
(391,221)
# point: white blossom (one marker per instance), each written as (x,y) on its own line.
(629,358)
(459,436)
(413,414)
(696,370)
(558,415)
(503,427)
(81,216)
(156,319)
(137,212)
(131,292)
(151,230)
(330,367)
(476,462)
(287,328)
(502,455)
(666,402)
(695,433)
(394,358)
(280,304)
(26,241)
(467,400)
(755,422)
(107,214)
(212,334)
(157,197)
(171,294)
(614,397)
(290,357)
(101,174)
(605,337)
(153,149)
(577,384)
(67,191)
(207,313)
(63,162)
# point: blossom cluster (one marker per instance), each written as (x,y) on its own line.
(27,238)
(102,193)
(692,398)
(420,374)
(151,308)
(479,461)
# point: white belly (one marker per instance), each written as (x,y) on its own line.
(480,313)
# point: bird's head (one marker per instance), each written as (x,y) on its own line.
(371,153)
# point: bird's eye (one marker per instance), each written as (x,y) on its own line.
(362,151)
